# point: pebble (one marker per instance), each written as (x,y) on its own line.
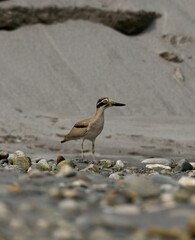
(120,164)
(91,168)
(72,206)
(36,160)
(126,209)
(101,233)
(142,186)
(16,223)
(44,165)
(161,180)
(163,161)
(4,210)
(156,232)
(158,167)
(114,176)
(66,163)
(66,171)
(19,153)
(80,183)
(35,173)
(108,163)
(11,155)
(42,224)
(191,174)
(4,155)
(191,227)
(16,169)
(187,181)
(2,161)
(59,159)
(24,162)
(35,166)
(193,165)
(183,165)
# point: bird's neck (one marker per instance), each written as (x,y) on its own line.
(99,113)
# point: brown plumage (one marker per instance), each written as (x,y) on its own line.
(90,128)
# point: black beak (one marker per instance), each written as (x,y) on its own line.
(116,104)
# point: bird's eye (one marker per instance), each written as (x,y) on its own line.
(105,101)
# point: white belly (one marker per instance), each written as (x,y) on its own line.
(95,129)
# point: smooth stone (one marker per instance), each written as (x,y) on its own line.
(119,164)
(80,183)
(19,153)
(193,165)
(126,209)
(24,162)
(2,161)
(44,165)
(101,233)
(161,233)
(91,168)
(66,171)
(35,166)
(36,160)
(108,163)
(72,206)
(16,169)
(163,161)
(183,165)
(114,176)
(4,155)
(142,186)
(158,167)
(4,210)
(67,163)
(191,227)
(187,181)
(35,173)
(161,180)
(11,155)
(191,174)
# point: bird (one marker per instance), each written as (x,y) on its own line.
(90,128)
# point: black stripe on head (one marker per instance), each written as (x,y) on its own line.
(102,102)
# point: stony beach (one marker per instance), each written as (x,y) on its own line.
(58,57)
(69,199)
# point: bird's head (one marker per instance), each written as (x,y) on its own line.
(106,103)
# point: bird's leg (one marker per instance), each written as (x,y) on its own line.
(93,151)
(82,155)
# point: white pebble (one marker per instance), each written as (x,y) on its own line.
(19,153)
(162,161)
(11,155)
(44,164)
(187,181)
(193,165)
(158,167)
(120,164)
(114,176)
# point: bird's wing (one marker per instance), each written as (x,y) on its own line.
(82,124)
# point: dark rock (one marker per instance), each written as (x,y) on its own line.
(59,159)
(2,161)
(183,165)
(191,227)
(4,155)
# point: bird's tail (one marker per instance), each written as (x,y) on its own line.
(64,140)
